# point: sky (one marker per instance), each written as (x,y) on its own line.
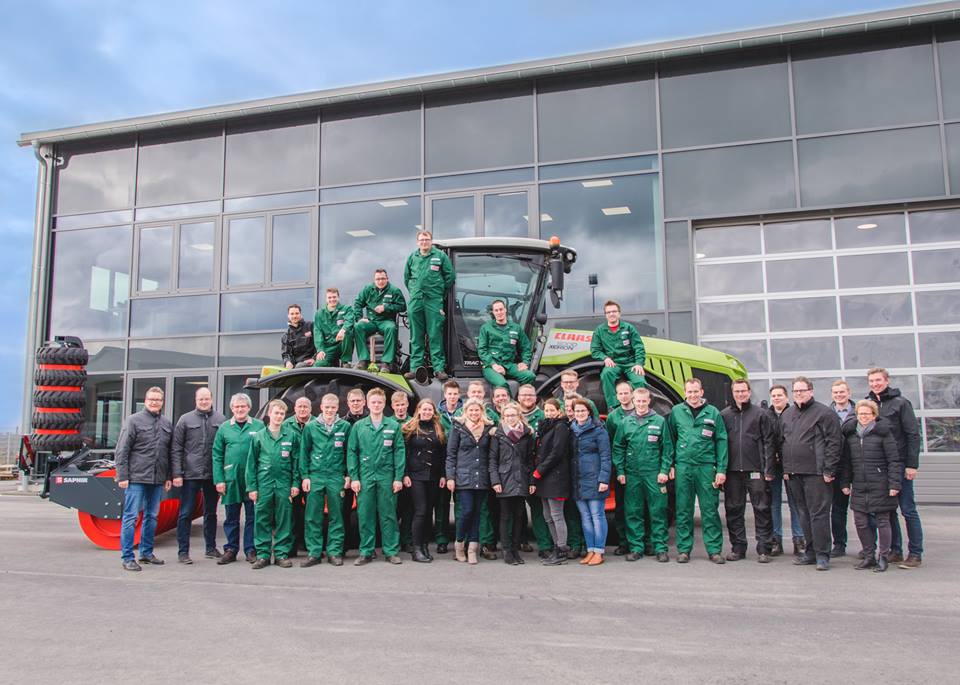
(70,62)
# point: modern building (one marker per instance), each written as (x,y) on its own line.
(790,195)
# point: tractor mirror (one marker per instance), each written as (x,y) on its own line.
(556,274)
(541,317)
(555,298)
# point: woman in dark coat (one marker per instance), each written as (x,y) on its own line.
(511,468)
(871,476)
(591,478)
(551,476)
(426,459)
(468,475)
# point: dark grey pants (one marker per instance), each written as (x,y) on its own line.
(868,528)
(738,486)
(814,498)
(553,515)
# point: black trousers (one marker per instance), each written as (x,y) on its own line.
(513,516)
(424,494)
(299,510)
(738,486)
(838,515)
(813,498)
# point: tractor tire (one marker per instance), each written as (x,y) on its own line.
(58,420)
(63,355)
(56,442)
(57,399)
(60,377)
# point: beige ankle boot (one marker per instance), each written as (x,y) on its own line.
(458,552)
(472,552)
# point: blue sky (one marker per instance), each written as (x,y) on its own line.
(68,62)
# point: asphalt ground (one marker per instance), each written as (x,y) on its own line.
(70,614)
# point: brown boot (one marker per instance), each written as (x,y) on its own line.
(458,552)
(472,552)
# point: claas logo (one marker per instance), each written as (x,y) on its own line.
(59,480)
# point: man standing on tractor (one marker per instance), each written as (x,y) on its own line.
(504,349)
(333,331)
(618,345)
(428,276)
(382,301)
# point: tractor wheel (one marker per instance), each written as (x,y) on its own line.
(60,377)
(75,356)
(58,399)
(58,420)
(56,441)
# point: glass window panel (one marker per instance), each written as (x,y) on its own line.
(939,349)
(732,317)
(171,353)
(907,385)
(479,133)
(185,394)
(598,167)
(106,355)
(370,191)
(507,214)
(870,231)
(935,227)
(357,148)
(785,275)
(873,270)
(679,275)
(953,156)
(265,309)
(938,307)
(453,217)
(880,165)
(247,204)
(92,180)
(941,391)
(936,266)
(596,117)
(949,48)
(104,412)
(805,313)
(943,434)
(866,311)
(249,350)
(797,236)
(729,279)
(291,248)
(626,214)
(866,351)
(179,170)
(356,239)
(860,86)
(233,384)
(140,387)
(245,250)
(156,252)
(91,282)
(173,315)
(803,354)
(681,327)
(123,216)
(196,255)
(271,158)
(751,353)
(727,241)
(479,180)
(177,211)
(702,104)
(729,180)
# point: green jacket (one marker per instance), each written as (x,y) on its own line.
(327,324)
(534,418)
(428,277)
(624,347)
(231,445)
(391,297)
(506,344)
(615,420)
(643,445)
(323,453)
(272,462)
(701,440)
(376,454)
(294,424)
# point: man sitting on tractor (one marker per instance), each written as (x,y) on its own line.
(617,344)
(504,349)
(382,301)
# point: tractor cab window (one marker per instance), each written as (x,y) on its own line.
(481,279)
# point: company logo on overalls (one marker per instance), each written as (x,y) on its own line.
(435,264)
(338,439)
(285,452)
(388,438)
(625,337)
(513,337)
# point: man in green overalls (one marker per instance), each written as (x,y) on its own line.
(428,275)
(272,483)
(302,415)
(615,417)
(382,301)
(504,349)
(376,460)
(323,470)
(333,331)
(643,456)
(618,345)
(700,441)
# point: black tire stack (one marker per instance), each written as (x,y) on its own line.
(58,397)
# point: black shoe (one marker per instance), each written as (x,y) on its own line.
(284,563)
(426,552)
(882,564)
(621,550)
(442,548)
(151,559)
(805,560)
(717,559)
(335,560)
(544,553)
(648,550)
(557,557)
(683,558)
(488,552)
(407,549)
(823,562)
(259,564)
(508,557)
(838,551)
(865,563)
(213,553)
(441,376)
(799,547)
(574,553)
(420,557)
(184,559)
(251,556)
(735,556)
(776,549)
(519,559)
(362,560)
(663,557)
(131,565)
(763,558)
(526,547)
(632,556)
(228,557)
(309,561)
(395,560)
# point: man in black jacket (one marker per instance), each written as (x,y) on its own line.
(898,412)
(296,345)
(810,447)
(192,465)
(750,436)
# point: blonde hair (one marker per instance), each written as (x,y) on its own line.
(870,404)
(483,412)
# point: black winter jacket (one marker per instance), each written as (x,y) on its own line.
(871,467)
(750,436)
(191,455)
(143,449)
(296,345)
(426,455)
(903,424)
(511,463)
(552,461)
(468,458)
(810,439)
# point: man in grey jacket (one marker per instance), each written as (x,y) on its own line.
(143,473)
(192,462)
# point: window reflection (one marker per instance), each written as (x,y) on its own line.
(729,279)
(104,412)
(106,355)
(92,180)
(358,148)
(250,350)
(797,236)
(271,158)
(173,315)
(291,248)
(866,351)
(936,266)
(752,353)
(948,46)
(785,275)
(864,311)
(941,391)
(263,310)
(179,170)
(805,353)
(156,247)
(870,231)
(938,307)
(507,214)
(679,274)
(245,242)
(864,271)
(196,255)
(727,241)
(939,349)
(453,217)
(805,313)
(732,317)
(935,227)
(943,434)
(171,353)
(953,156)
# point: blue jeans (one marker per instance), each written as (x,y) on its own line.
(231,527)
(594,522)
(776,507)
(139,497)
(188,500)
(908,507)
(468,522)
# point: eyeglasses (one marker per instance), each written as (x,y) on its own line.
(801,391)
